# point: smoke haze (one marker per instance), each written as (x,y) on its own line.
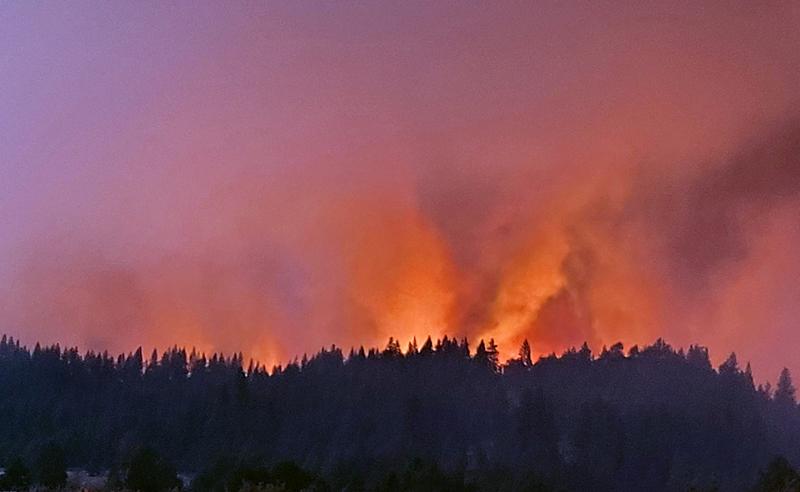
(271,179)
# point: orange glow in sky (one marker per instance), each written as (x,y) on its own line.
(275,178)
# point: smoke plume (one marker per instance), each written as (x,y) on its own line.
(278,180)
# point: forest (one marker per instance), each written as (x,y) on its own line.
(438,416)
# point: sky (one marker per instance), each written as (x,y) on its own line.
(276,177)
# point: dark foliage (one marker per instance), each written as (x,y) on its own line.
(16,477)
(149,472)
(51,468)
(779,477)
(433,418)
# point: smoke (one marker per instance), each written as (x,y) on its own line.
(285,182)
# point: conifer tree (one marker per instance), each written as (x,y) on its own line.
(785,391)
(525,354)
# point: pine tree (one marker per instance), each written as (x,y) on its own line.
(427,347)
(51,467)
(779,476)
(493,355)
(698,357)
(153,360)
(585,353)
(16,476)
(525,354)
(465,348)
(480,353)
(412,347)
(730,366)
(149,472)
(392,349)
(785,392)
(748,376)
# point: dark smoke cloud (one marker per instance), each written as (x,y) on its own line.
(723,207)
(271,180)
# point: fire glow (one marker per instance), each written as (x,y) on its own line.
(278,184)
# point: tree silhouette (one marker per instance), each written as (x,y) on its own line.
(697,356)
(785,392)
(525,354)
(779,477)
(149,472)
(440,419)
(730,367)
(51,468)
(585,353)
(16,476)
(493,354)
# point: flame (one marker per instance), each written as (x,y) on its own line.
(529,280)
(358,184)
(399,277)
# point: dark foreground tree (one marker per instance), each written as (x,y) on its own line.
(650,419)
(785,392)
(51,467)
(16,477)
(226,475)
(779,477)
(149,472)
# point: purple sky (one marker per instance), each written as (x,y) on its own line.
(276,177)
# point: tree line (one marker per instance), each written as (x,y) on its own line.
(440,416)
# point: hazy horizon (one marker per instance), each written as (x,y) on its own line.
(274,178)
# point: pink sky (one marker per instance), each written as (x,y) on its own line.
(276,177)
